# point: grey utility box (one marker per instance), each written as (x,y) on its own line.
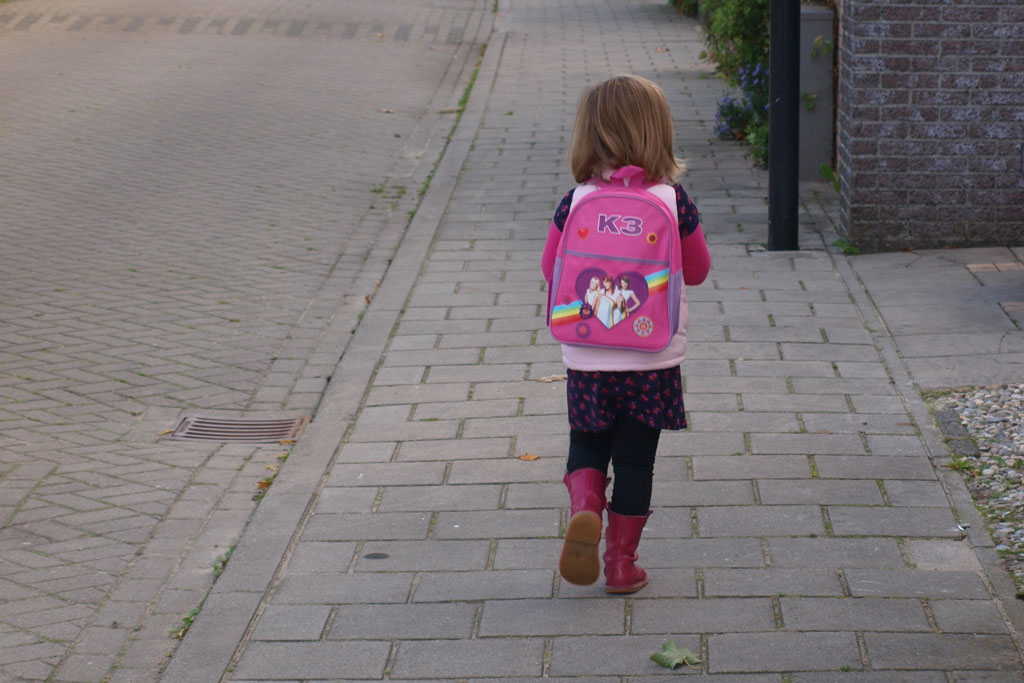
(817,114)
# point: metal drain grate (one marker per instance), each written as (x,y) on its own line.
(238,431)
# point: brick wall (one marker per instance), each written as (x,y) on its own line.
(931,122)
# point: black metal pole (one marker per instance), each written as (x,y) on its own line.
(783,117)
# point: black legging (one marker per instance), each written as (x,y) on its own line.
(630,446)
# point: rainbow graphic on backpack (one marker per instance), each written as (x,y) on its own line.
(618,271)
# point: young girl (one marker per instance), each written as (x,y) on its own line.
(618,400)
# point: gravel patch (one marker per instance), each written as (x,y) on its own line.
(993,419)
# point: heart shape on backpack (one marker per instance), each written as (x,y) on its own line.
(610,299)
(583,233)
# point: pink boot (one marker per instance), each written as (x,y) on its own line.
(622,572)
(579,563)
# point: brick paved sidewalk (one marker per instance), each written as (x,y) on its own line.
(803,529)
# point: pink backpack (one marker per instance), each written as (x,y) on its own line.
(619,267)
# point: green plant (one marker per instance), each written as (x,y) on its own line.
(830,175)
(736,34)
(821,46)
(962,465)
(220,562)
(186,623)
(262,486)
(746,118)
(757,136)
(689,8)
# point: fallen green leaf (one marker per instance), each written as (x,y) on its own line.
(672,656)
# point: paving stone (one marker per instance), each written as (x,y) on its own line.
(914,583)
(423,556)
(941,651)
(700,422)
(811,444)
(435,498)
(700,493)
(368,431)
(694,552)
(455,449)
(523,553)
(525,495)
(835,552)
(85,667)
(506,471)
(406,622)
(339,499)
(484,585)
(664,582)
(760,520)
(511,426)
(367,526)
(384,474)
(871,677)
(417,393)
(618,655)
(896,445)
(596,679)
(844,385)
(477,373)
(942,555)
(818,492)
(967,616)
(472,409)
(771,581)
(782,651)
(916,493)
(886,405)
(320,557)
(669,522)
(454,659)
(340,589)
(892,521)
(859,614)
(751,467)
(877,427)
(552,617)
(862,370)
(987,676)
(783,368)
(709,615)
(814,403)
(300,660)
(829,352)
(497,524)
(291,622)
(734,385)
(367,452)
(874,467)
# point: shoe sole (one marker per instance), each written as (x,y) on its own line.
(579,563)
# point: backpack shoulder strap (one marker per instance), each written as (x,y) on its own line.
(667,195)
(579,193)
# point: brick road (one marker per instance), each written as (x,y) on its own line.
(804,529)
(196,202)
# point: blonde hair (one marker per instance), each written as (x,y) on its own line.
(624,121)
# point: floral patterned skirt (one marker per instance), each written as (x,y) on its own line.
(653,397)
